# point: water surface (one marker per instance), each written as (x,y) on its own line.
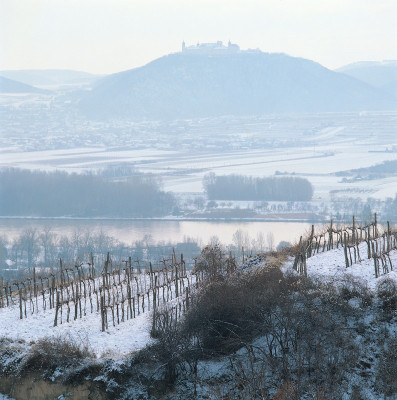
(129,231)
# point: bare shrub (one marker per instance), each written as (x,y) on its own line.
(351,287)
(222,318)
(161,320)
(301,348)
(49,354)
(226,314)
(166,358)
(168,353)
(214,263)
(286,392)
(387,367)
(386,291)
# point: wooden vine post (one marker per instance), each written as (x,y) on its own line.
(176,282)
(376,226)
(388,236)
(2,288)
(56,310)
(330,237)
(34,282)
(345,250)
(20,304)
(354,231)
(309,250)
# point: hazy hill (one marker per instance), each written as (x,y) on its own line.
(11,86)
(247,83)
(390,88)
(382,74)
(50,77)
(372,72)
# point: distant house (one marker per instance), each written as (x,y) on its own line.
(211,48)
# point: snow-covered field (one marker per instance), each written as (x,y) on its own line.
(183,172)
(38,134)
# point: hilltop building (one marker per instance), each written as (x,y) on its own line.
(211,48)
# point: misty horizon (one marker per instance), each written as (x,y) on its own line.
(384,61)
(104,38)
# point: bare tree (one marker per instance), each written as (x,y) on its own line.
(48,240)
(3,250)
(29,244)
(259,242)
(270,241)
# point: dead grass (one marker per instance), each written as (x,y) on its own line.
(48,354)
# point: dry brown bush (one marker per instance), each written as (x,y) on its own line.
(214,263)
(226,314)
(351,287)
(49,354)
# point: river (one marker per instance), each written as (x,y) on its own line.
(129,231)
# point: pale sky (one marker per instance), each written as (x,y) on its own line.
(105,36)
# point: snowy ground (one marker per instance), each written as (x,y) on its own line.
(4,397)
(129,336)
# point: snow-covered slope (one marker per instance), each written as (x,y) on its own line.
(130,336)
(362,331)
(122,337)
(330,265)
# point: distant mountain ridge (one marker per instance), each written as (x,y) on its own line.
(49,77)
(184,85)
(12,86)
(359,64)
(380,74)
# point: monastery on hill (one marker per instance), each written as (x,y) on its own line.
(210,48)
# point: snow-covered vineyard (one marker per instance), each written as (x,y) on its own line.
(128,316)
(367,253)
(96,308)
(100,306)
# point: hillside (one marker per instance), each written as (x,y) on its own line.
(390,88)
(246,83)
(375,73)
(315,321)
(382,74)
(12,86)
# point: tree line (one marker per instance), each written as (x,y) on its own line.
(387,167)
(43,248)
(54,194)
(240,187)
